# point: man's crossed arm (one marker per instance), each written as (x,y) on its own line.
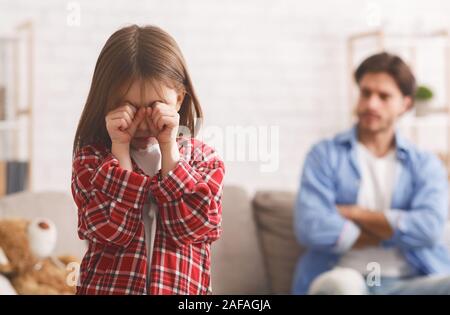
(375,228)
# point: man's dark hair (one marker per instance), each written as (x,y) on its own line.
(392,65)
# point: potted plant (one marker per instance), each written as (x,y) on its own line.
(423,98)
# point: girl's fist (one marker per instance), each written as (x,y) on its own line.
(122,123)
(163,121)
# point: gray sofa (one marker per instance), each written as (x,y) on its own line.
(258,251)
(256,254)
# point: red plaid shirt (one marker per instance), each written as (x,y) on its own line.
(110,201)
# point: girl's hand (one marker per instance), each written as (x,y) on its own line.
(122,123)
(163,121)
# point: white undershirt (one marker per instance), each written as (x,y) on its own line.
(149,160)
(378,177)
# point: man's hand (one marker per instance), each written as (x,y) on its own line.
(366,239)
(349,211)
(374,222)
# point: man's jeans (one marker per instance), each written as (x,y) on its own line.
(348,281)
(419,285)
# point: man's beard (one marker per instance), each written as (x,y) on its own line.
(383,125)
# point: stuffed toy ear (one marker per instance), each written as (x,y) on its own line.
(42,237)
(3,259)
(5,286)
(5,266)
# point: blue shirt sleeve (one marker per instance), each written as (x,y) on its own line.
(422,225)
(318,224)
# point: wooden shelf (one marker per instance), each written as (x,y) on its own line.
(8,125)
(432,111)
(23,111)
(18,46)
(8,38)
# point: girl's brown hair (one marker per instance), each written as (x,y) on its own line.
(133,53)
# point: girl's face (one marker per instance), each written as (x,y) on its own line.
(145,95)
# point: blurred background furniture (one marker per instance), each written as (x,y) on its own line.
(256,254)
(16,109)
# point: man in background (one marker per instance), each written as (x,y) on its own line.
(371,202)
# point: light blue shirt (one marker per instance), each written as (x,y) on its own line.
(418,214)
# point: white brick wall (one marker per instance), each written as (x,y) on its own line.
(253,62)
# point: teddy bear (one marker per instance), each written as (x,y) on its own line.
(27,265)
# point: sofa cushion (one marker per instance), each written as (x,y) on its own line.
(236,261)
(273,211)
